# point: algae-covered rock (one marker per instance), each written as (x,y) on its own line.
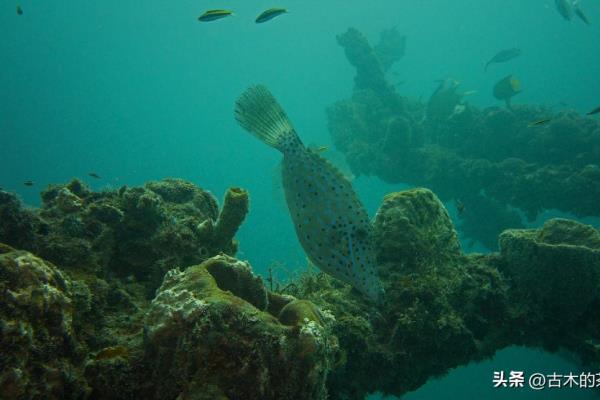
(18,225)
(298,312)
(391,47)
(556,268)
(197,335)
(238,278)
(174,190)
(138,232)
(569,232)
(413,226)
(86,329)
(38,344)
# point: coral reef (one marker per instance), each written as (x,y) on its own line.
(414,226)
(490,159)
(201,336)
(555,270)
(220,234)
(237,277)
(130,232)
(213,330)
(444,308)
(40,351)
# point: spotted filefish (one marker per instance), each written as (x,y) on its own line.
(330,221)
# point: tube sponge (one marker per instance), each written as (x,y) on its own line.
(235,208)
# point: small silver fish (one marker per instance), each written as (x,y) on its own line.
(331,223)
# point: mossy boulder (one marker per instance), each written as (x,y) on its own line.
(138,232)
(39,348)
(412,227)
(197,334)
(556,267)
(18,225)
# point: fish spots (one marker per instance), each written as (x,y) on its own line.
(329,220)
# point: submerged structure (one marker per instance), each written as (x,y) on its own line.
(492,160)
(91,309)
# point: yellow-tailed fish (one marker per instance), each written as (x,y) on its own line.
(506,88)
(270,14)
(330,221)
(212,15)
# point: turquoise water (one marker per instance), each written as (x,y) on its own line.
(140,91)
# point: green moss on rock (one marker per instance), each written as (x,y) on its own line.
(556,269)
(198,334)
(39,348)
(413,226)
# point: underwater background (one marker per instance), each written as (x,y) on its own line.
(140,91)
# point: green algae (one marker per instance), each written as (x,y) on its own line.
(214,327)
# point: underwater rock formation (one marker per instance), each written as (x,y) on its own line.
(555,270)
(138,232)
(445,309)
(40,352)
(414,226)
(237,277)
(442,309)
(214,331)
(370,70)
(490,159)
(199,336)
(391,48)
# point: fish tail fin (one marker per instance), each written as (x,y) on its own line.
(258,112)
